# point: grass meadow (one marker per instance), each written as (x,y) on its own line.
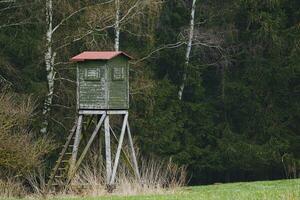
(261,190)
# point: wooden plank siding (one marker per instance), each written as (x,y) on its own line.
(103,84)
(118,87)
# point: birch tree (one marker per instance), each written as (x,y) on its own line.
(49,59)
(49,62)
(117,25)
(188,51)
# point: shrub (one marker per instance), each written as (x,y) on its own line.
(21,152)
(16,141)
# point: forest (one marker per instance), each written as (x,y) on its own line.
(214,85)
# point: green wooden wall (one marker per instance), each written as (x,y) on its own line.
(118,83)
(103,84)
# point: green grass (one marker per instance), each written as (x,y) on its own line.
(263,190)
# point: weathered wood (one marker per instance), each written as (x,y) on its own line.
(96,131)
(117,112)
(107,86)
(103,89)
(92,85)
(113,175)
(76,144)
(77,88)
(133,156)
(127,160)
(103,84)
(107,149)
(100,147)
(60,159)
(101,112)
(91,112)
(118,83)
(111,172)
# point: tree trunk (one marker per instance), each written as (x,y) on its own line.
(117,25)
(188,51)
(49,63)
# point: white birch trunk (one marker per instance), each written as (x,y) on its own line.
(49,62)
(117,26)
(188,51)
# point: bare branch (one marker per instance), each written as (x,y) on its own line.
(15,24)
(7,1)
(122,20)
(166,46)
(74,13)
(58,122)
(65,79)
(130,10)
(65,19)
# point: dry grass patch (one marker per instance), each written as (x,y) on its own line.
(11,188)
(157,177)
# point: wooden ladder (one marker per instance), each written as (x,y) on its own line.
(60,171)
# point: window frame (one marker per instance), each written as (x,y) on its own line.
(88,77)
(121,73)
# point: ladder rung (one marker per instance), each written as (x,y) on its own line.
(60,168)
(67,153)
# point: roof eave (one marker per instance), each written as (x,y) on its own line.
(81,60)
(78,59)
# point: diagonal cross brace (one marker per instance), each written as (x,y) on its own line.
(113,175)
(133,155)
(72,173)
(123,153)
(125,127)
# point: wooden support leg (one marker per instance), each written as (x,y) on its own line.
(113,175)
(107,149)
(87,147)
(133,156)
(100,157)
(76,144)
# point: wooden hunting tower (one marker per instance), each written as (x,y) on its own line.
(103,80)
(102,91)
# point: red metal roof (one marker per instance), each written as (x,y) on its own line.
(98,55)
